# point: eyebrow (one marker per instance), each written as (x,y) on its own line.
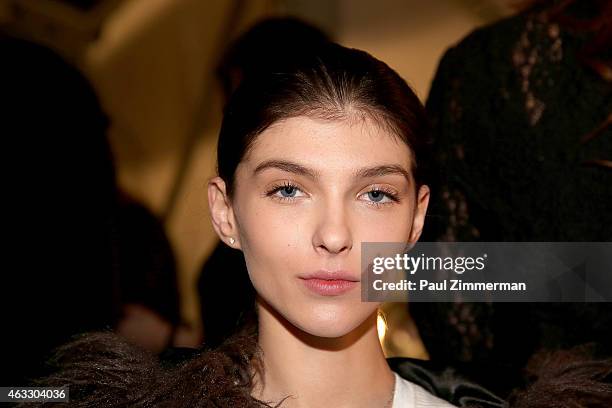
(383,170)
(366,172)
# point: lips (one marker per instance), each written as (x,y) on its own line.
(331,275)
(330,283)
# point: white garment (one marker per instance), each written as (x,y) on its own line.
(410,395)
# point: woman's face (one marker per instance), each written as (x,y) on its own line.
(306,196)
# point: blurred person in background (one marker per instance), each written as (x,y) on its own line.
(79,255)
(521,111)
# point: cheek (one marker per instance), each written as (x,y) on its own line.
(388,225)
(273,241)
(271,230)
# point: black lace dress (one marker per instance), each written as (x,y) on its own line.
(524,149)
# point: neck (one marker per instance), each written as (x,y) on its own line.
(347,371)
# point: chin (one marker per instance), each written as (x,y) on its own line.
(332,321)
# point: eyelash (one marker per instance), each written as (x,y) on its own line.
(276,188)
(387,192)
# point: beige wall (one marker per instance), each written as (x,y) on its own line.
(411,35)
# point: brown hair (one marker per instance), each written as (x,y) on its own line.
(566,379)
(104,370)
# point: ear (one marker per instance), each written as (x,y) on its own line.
(221,213)
(419,213)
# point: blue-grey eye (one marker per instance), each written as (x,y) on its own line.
(288,191)
(376,195)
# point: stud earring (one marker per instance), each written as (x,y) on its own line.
(232,240)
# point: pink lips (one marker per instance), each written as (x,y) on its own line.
(326,283)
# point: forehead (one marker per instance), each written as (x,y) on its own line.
(330,145)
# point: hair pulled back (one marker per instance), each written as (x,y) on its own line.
(333,83)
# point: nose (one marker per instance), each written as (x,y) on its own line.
(332,234)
